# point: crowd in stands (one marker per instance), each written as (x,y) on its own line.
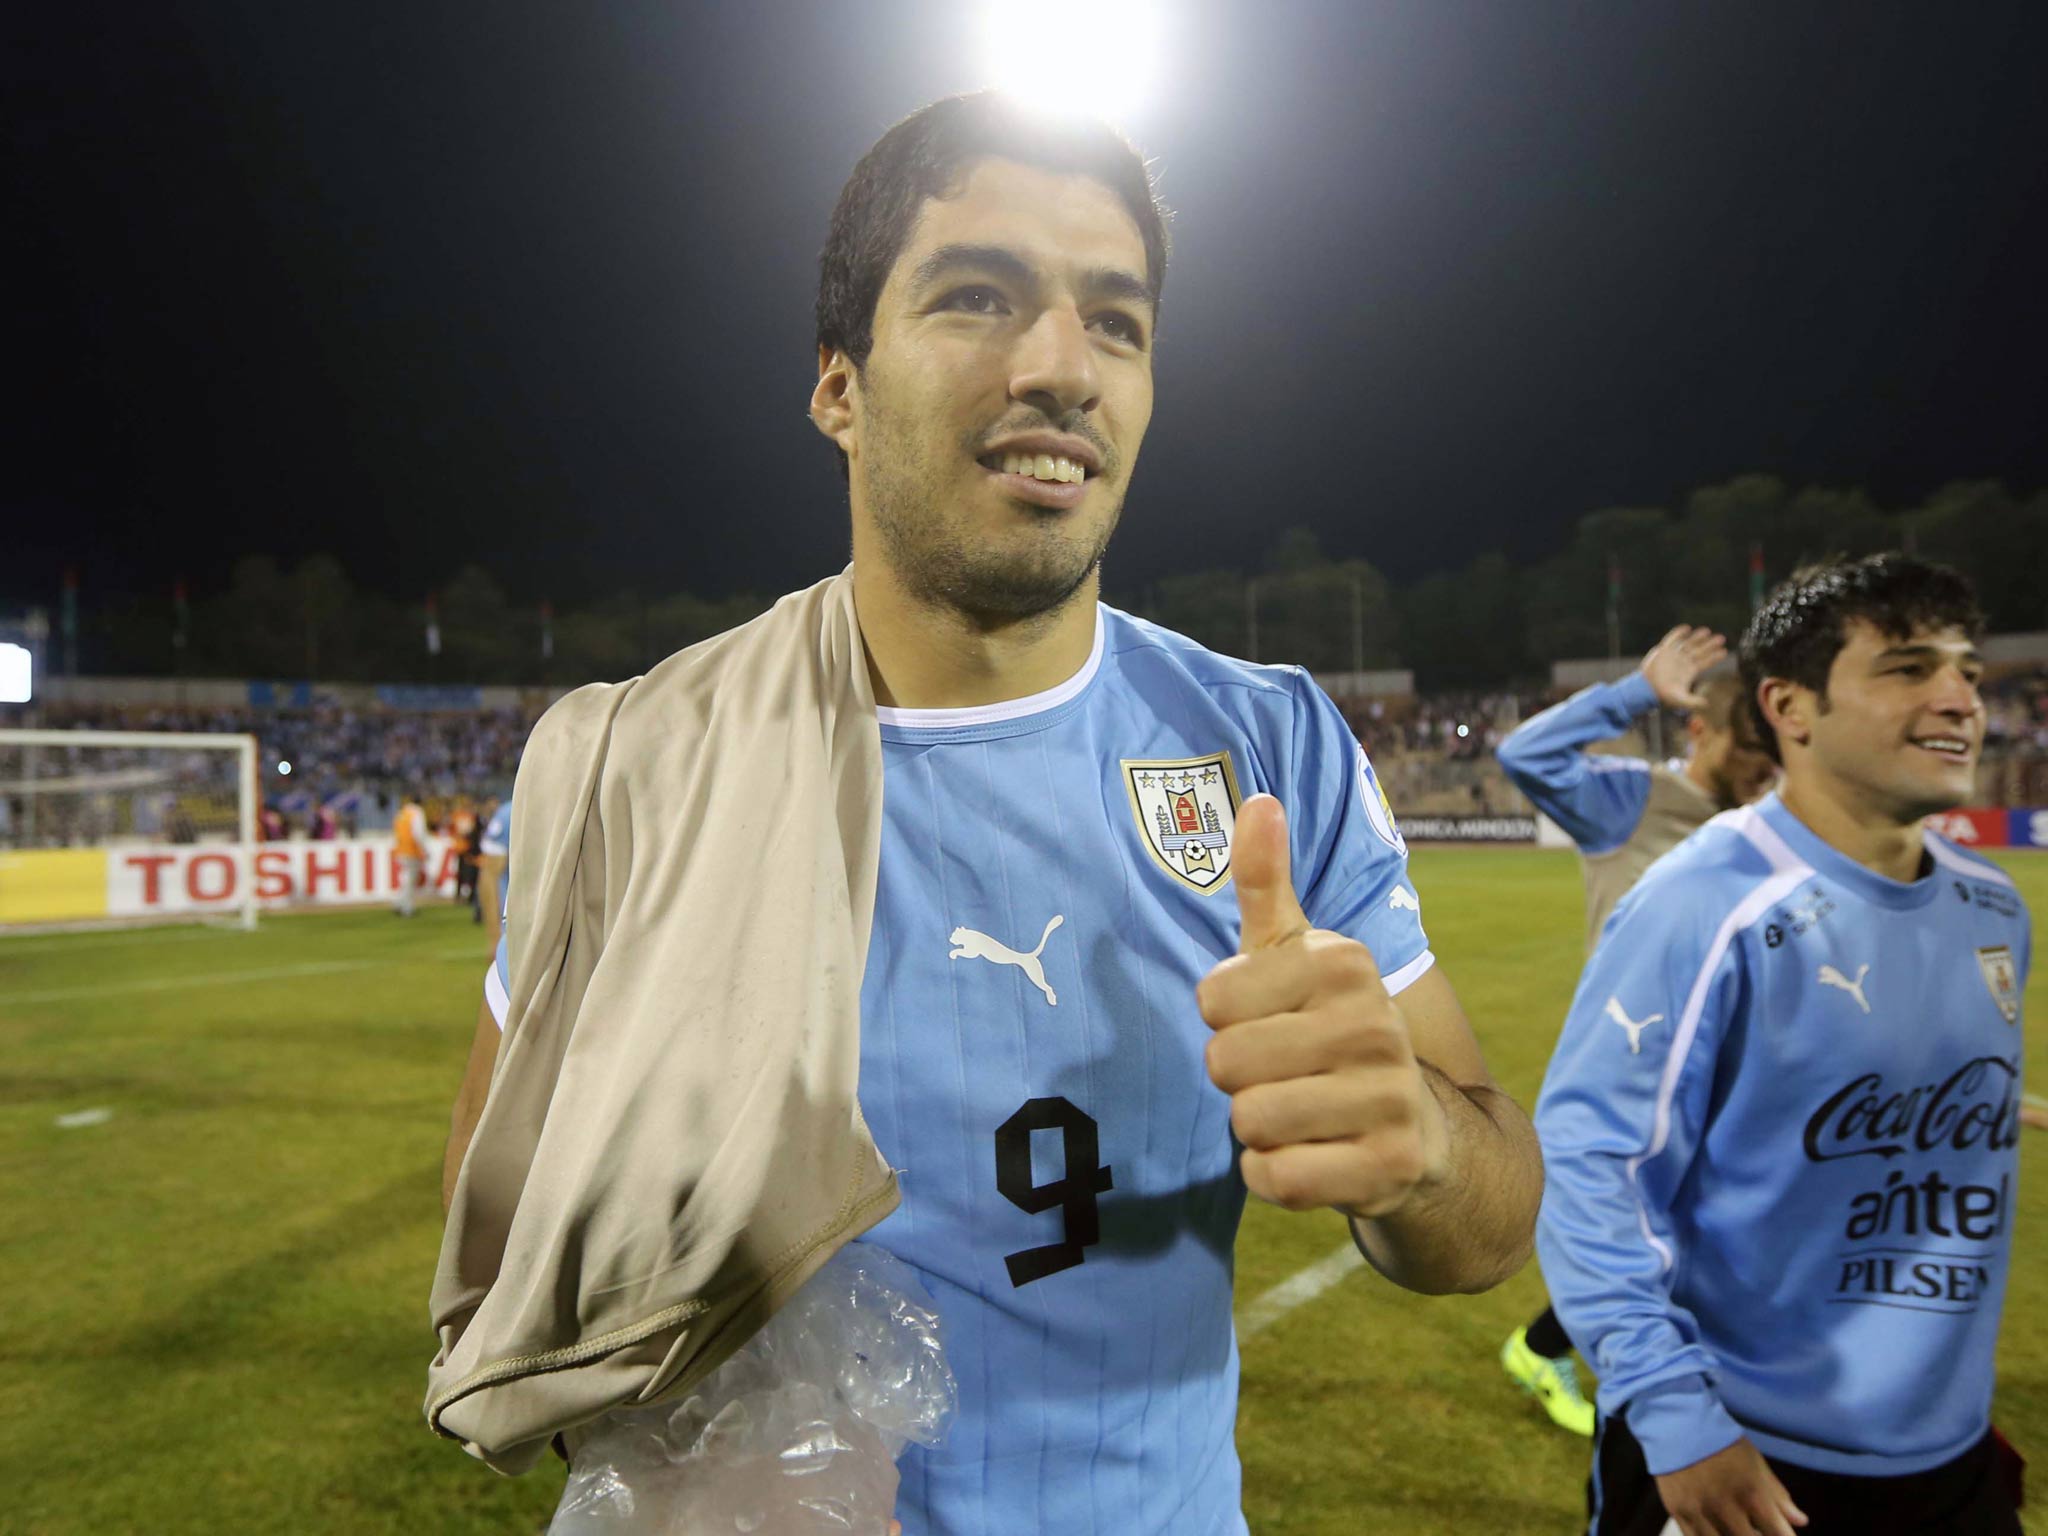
(336,754)
(325,771)
(349,768)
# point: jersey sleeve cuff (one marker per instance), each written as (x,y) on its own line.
(1680,1422)
(1399,981)
(1635,694)
(494,995)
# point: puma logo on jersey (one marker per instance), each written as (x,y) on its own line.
(1635,1027)
(1830,977)
(969,945)
(1401,901)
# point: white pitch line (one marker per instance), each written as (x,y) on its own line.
(1262,1312)
(176,983)
(83,938)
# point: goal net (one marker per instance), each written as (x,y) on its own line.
(121,826)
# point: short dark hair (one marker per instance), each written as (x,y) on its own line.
(1720,696)
(926,156)
(1804,623)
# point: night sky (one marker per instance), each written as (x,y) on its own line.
(532,286)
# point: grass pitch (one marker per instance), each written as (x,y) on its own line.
(215,1302)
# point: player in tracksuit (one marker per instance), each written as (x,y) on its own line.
(1624,814)
(1780,1128)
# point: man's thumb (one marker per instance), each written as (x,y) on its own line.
(1259,864)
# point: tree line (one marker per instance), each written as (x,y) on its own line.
(1626,575)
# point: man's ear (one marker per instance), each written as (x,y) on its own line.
(832,400)
(1789,709)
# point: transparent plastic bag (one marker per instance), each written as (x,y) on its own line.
(798,1433)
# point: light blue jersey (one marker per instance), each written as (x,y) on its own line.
(1054,881)
(496,843)
(1780,1135)
(1597,800)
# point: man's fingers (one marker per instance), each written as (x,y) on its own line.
(1280,1047)
(1260,869)
(1280,980)
(1306,1109)
(1783,1509)
(1247,987)
(1302,1177)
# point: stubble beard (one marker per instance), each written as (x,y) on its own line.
(936,555)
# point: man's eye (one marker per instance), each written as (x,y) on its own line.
(974,301)
(1120,327)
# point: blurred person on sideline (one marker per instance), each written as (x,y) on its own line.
(493,868)
(409,843)
(1054,958)
(1782,1122)
(1624,814)
(463,829)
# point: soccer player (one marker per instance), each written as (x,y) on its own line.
(1104,953)
(1781,1126)
(1624,814)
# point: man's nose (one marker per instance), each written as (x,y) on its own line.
(1054,364)
(1956,693)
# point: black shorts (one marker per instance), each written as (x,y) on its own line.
(1965,1497)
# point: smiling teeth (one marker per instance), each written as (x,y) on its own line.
(1944,744)
(1044,466)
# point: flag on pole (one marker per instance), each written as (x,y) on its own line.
(1756,576)
(433,627)
(547,630)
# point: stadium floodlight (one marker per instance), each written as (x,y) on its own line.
(17,673)
(284,769)
(1075,56)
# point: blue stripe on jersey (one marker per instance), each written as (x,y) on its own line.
(1780,1135)
(1597,800)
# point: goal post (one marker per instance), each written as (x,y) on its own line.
(83,813)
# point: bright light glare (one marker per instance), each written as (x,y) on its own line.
(16,674)
(1464,731)
(1032,54)
(284,768)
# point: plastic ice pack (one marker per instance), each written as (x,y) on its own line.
(798,1433)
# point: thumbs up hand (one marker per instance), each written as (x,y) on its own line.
(1325,1092)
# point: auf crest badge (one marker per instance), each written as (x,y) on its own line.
(1186,809)
(1379,810)
(2000,975)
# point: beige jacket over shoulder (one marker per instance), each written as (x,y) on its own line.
(672,1144)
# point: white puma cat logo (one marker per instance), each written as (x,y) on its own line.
(1635,1027)
(1401,901)
(1830,977)
(970,945)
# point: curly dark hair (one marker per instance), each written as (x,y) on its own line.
(926,156)
(1804,623)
